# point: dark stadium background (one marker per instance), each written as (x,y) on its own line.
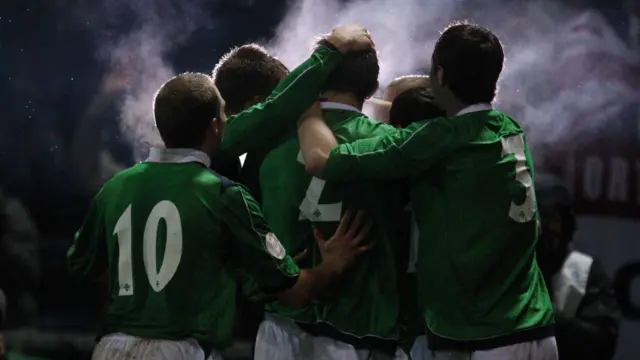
(49,77)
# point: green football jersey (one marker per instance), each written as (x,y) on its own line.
(169,232)
(366,300)
(472,192)
(410,321)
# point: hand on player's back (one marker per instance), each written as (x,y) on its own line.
(345,245)
(349,38)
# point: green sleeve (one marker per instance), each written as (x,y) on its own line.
(402,153)
(254,246)
(256,126)
(87,258)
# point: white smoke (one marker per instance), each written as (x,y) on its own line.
(140,58)
(542,85)
(404,30)
(538,36)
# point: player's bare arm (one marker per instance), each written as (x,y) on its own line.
(338,254)
(316,140)
(400,154)
(404,83)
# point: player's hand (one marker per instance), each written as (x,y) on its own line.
(346,243)
(348,38)
(404,83)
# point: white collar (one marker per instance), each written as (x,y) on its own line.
(474,108)
(338,106)
(164,155)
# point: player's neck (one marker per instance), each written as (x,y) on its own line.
(341,98)
(454,106)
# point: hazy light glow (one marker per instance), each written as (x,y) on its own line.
(543,40)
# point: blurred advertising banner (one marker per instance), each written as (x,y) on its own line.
(595,99)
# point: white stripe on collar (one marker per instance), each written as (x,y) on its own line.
(163,155)
(474,108)
(338,106)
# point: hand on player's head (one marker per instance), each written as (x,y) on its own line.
(346,243)
(348,38)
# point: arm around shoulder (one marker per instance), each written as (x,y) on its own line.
(399,154)
(257,125)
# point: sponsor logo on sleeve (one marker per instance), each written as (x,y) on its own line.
(274,247)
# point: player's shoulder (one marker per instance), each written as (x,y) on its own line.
(362,126)
(220,181)
(228,187)
(509,122)
(123,176)
(492,119)
(232,192)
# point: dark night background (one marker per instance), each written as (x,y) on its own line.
(59,117)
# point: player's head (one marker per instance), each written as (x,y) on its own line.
(465,66)
(246,75)
(558,222)
(189,112)
(413,105)
(357,74)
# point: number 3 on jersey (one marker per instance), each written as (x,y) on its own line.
(514,145)
(310,209)
(167,211)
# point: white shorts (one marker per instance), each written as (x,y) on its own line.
(420,349)
(544,349)
(330,349)
(126,347)
(280,338)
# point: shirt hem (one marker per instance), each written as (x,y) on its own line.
(437,342)
(387,346)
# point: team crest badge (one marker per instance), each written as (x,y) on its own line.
(274,247)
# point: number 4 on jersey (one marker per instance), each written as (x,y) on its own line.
(172,252)
(514,145)
(311,209)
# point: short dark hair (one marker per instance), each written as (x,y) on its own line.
(357,73)
(471,58)
(413,105)
(246,72)
(184,107)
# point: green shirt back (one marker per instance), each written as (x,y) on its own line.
(472,193)
(170,232)
(366,300)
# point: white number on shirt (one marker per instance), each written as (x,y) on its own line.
(311,209)
(164,210)
(514,145)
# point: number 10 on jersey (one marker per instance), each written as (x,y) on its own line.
(164,210)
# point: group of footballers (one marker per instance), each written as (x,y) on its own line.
(365,240)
